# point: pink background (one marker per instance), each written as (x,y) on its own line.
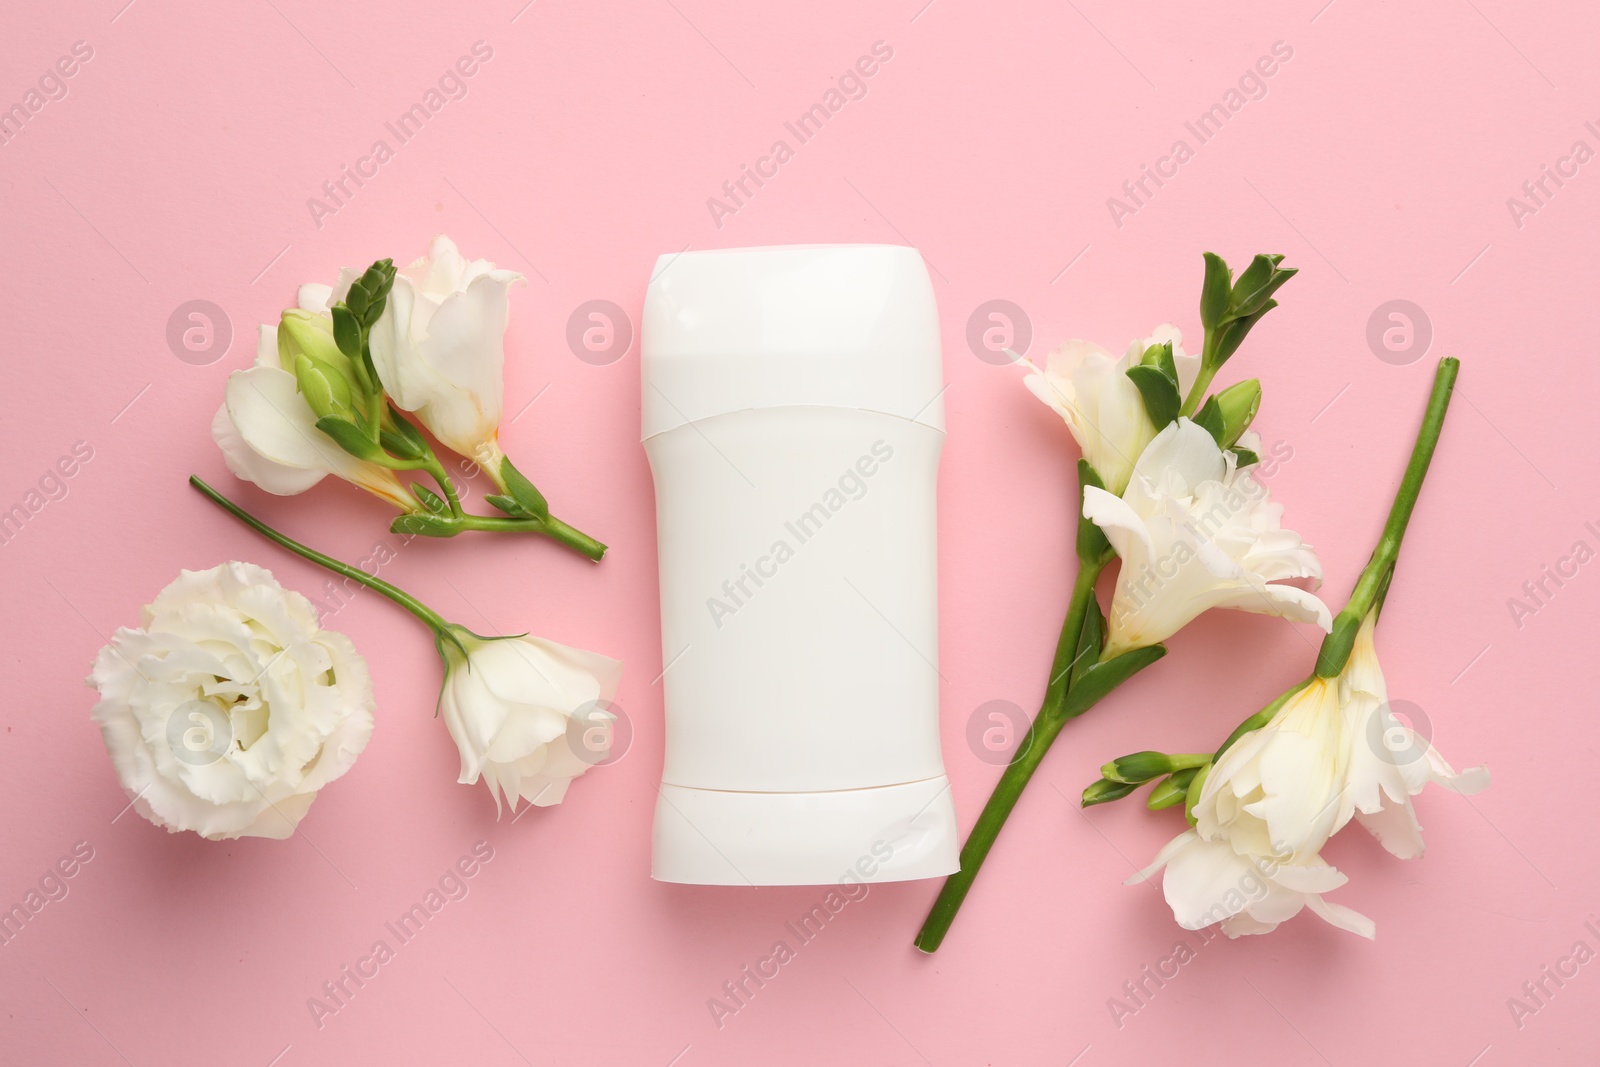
(178,167)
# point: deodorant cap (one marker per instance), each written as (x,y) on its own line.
(851,326)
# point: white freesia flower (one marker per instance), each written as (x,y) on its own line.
(1090,389)
(1194,532)
(528,715)
(268,434)
(1278,791)
(1386,762)
(1209,881)
(1331,752)
(229,708)
(439,346)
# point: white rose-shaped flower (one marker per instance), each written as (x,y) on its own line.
(439,346)
(1090,389)
(1386,762)
(1211,882)
(1194,532)
(229,708)
(528,715)
(268,433)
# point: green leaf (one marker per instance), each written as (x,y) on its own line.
(509,506)
(346,331)
(1104,791)
(1216,291)
(522,491)
(1092,543)
(1102,678)
(1210,418)
(349,437)
(1160,393)
(430,500)
(1243,458)
(425,525)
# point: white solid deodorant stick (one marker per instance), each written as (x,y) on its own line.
(793,418)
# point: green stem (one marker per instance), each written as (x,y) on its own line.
(435,621)
(1374,580)
(551,527)
(1202,382)
(1041,734)
(432,465)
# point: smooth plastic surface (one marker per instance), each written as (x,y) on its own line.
(889,834)
(796,519)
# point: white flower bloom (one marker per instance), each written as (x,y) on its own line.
(229,708)
(268,434)
(439,346)
(1210,882)
(1331,752)
(1193,533)
(1090,389)
(1278,791)
(1387,762)
(528,715)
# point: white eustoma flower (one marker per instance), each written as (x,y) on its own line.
(229,707)
(268,434)
(1194,532)
(528,715)
(1209,881)
(1090,389)
(439,346)
(1386,762)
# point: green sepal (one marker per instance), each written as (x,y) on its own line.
(523,491)
(1103,677)
(1092,544)
(1104,791)
(357,300)
(425,525)
(1232,336)
(346,331)
(1209,417)
(430,500)
(1159,392)
(1215,292)
(1171,790)
(1256,285)
(398,445)
(348,436)
(1090,642)
(509,506)
(1191,795)
(1160,357)
(1243,457)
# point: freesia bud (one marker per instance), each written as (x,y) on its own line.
(1238,404)
(325,390)
(1138,767)
(1105,790)
(306,333)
